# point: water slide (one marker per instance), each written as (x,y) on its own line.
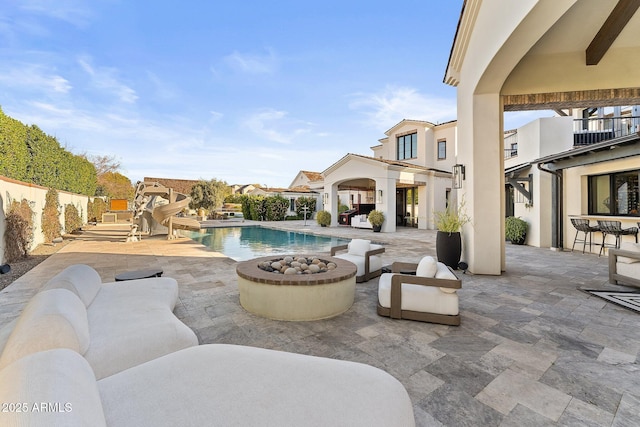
(146,200)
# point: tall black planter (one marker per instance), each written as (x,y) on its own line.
(448,248)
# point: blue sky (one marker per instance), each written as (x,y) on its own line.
(245,91)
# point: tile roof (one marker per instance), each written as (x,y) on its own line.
(183,186)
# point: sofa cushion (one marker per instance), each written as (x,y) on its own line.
(375,262)
(359,247)
(80,279)
(631,247)
(425,299)
(51,388)
(51,319)
(247,386)
(427,267)
(159,291)
(129,325)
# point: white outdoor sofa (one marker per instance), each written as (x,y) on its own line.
(624,264)
(361,221)
(46,378)
(113,325)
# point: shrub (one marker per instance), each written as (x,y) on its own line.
(324,218)
(276,208)
(19,230)
(309,203)
(72,219)
(51,227)
(99,207)
(376,218)
(451,220)
(90,215)
(342,208)
(515,229)
(257,208)
(245,203)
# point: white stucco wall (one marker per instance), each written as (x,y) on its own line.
(576,200)
(11,190)
(536,139)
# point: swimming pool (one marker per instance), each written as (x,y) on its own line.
(243,243)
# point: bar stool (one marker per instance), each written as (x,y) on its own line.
(582,225)
(615,228)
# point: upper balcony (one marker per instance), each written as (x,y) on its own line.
(595,129)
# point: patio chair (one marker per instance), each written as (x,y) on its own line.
(365,255)
(429,296)
(615,228)
(582,225)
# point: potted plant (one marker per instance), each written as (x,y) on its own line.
(323,218)
(448,242)
(376,218)
(515,230)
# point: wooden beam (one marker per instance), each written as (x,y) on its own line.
(611,29)
(574,99)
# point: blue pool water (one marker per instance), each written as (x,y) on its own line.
(243,243)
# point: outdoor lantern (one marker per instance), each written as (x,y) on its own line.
(458,175)
(325,198)
(379,196)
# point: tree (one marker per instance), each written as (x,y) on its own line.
(19,230)
(209,194)
(104,164)
(72,219)
(51,227)
(115,185)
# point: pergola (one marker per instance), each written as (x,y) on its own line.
(525,55)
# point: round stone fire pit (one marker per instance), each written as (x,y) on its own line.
(296,296)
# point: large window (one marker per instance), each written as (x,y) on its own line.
(442,149)
(615,194)
(407,146)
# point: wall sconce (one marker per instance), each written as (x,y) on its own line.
(325,198)
(458,175)
(379,196)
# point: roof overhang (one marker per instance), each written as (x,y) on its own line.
(612,149)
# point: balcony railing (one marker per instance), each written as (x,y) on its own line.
(511,141)
(592,130)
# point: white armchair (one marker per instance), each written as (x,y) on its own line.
(365,255)
(624,264)
(429,296)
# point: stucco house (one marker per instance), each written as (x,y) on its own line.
(408,177)
(573,166)
(527,55)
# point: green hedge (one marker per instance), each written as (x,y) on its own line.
(28,154)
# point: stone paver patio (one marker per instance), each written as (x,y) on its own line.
(533,349)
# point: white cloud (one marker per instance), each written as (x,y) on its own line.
(162,89)
(277,126)
(105,78)
(34,77)
(216,115)
(75,12)
(252,63)
(389,106)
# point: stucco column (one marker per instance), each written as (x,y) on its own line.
(388,203)
(480,149)
(332,203)
(425,207)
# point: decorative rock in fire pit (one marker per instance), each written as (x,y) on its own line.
(296,288)
(300,265)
